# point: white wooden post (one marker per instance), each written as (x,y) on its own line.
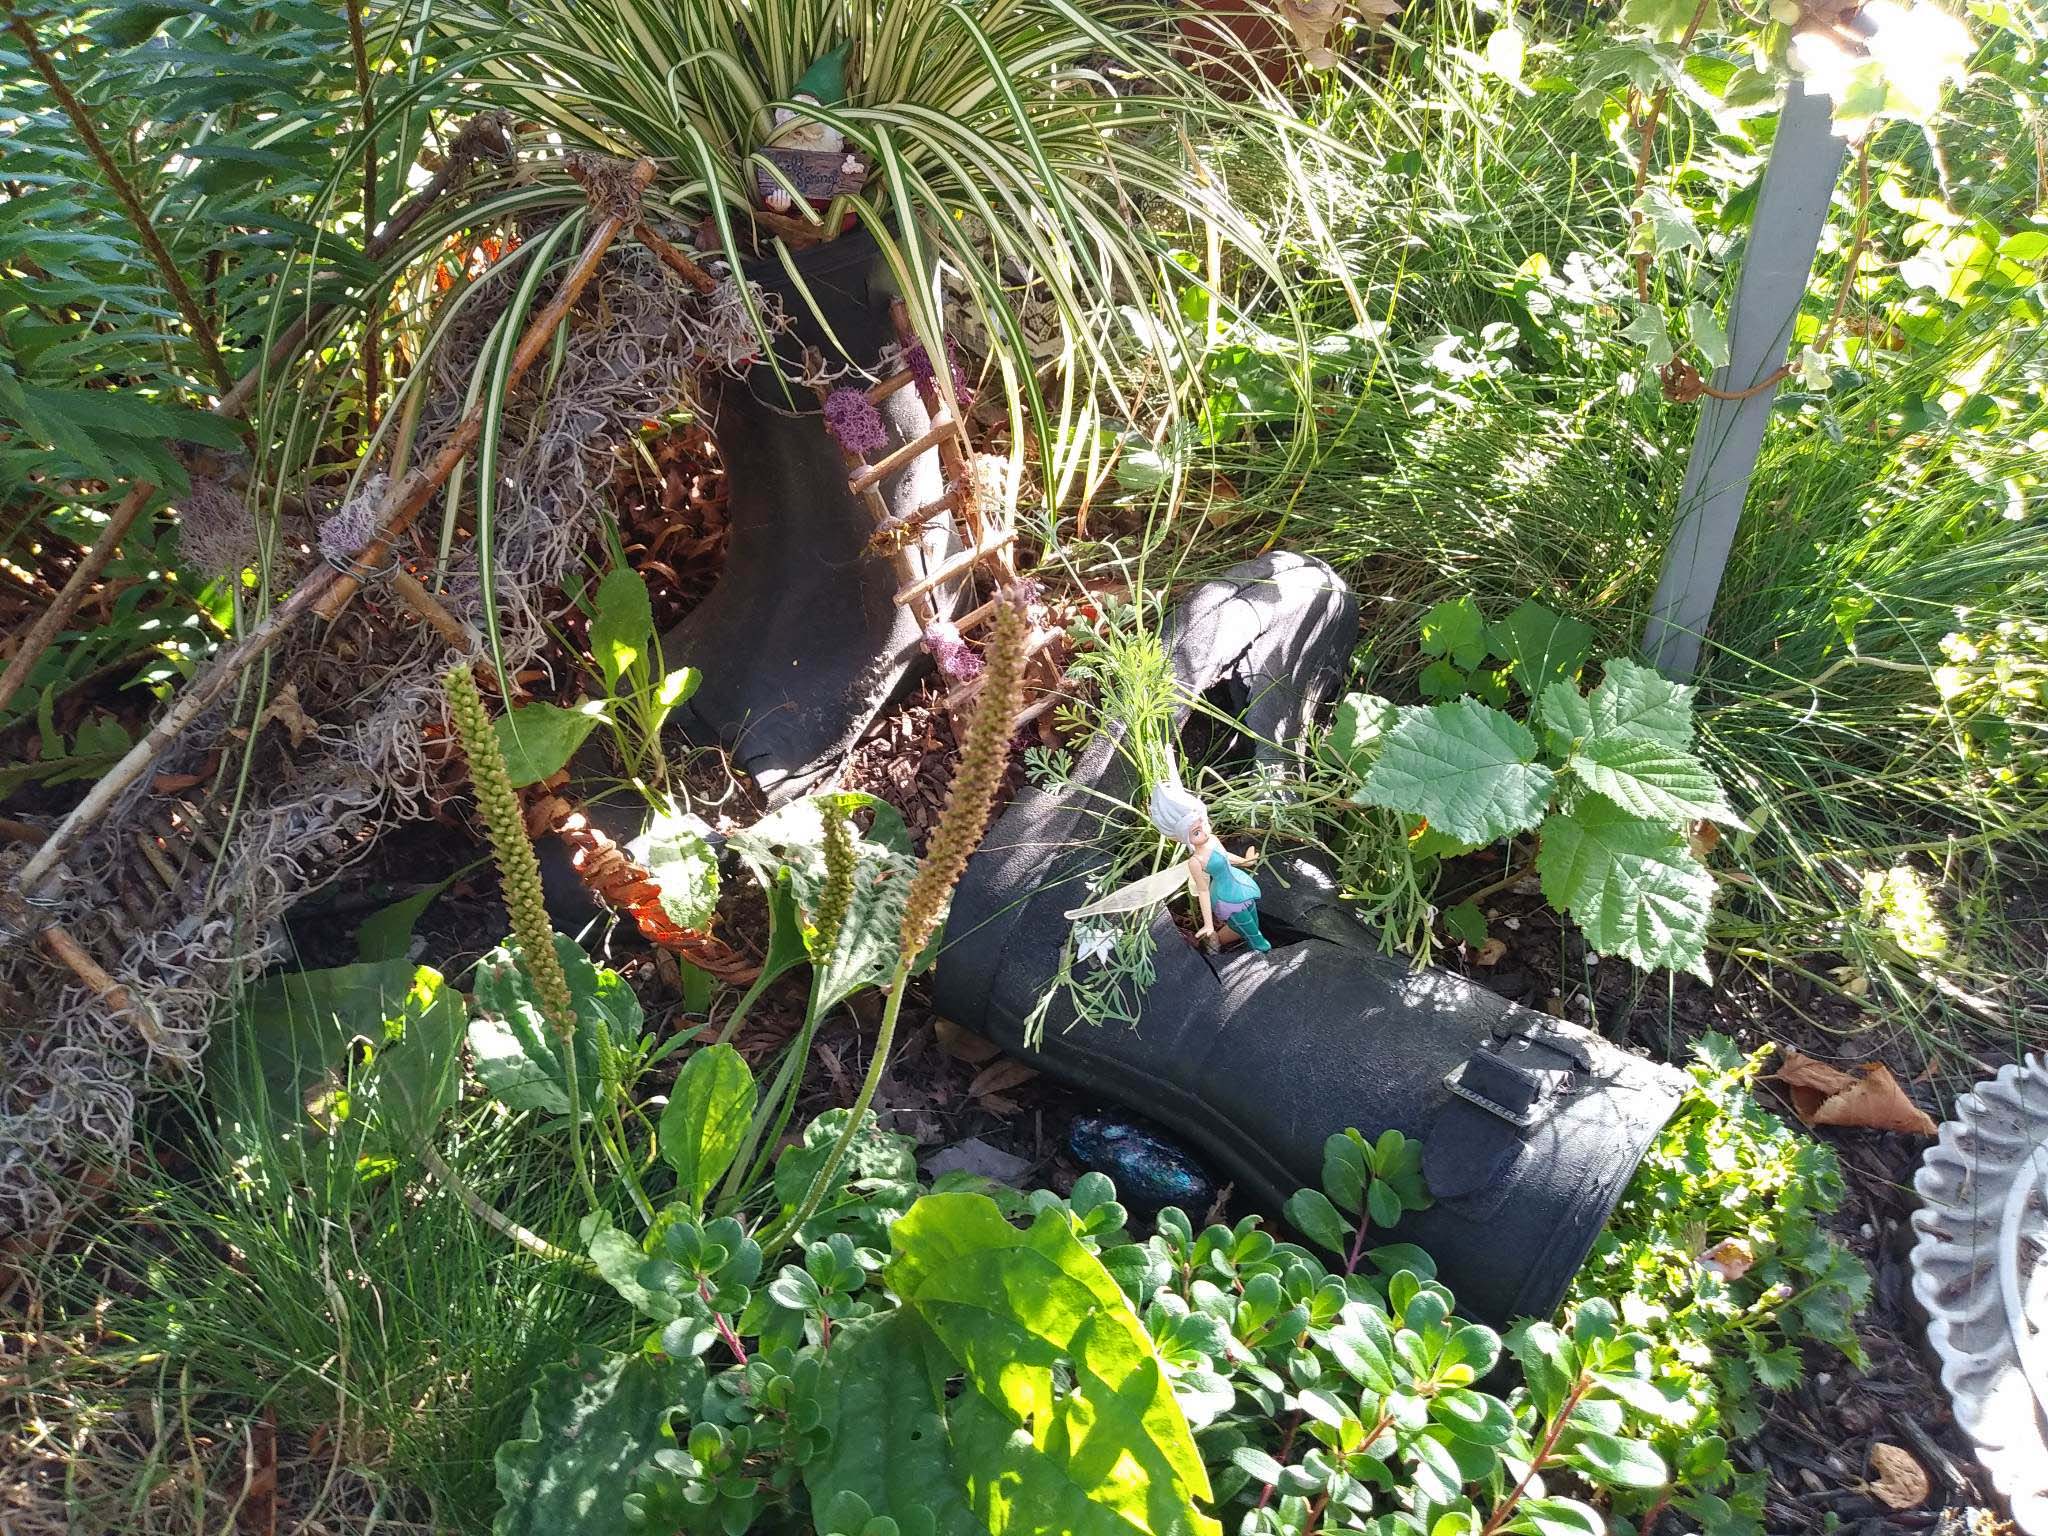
(1791,210)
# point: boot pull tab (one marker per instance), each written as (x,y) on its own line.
(1500,1094)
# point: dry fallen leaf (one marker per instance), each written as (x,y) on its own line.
(284,708)
(1868,1099)
(1491,952)
(1728,1260)
(1000,1075)
(1896,1477)
(963,1044)
(1703,837)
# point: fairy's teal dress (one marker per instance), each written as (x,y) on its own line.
(1233,896)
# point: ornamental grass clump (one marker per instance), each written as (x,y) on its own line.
(984,754)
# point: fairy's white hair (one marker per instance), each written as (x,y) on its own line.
(1174,811)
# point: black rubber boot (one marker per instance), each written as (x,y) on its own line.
(1530,1127)
(801,644)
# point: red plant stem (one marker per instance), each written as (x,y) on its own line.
(732,1340)
(1286,1446)
(1536,1462)
(1357,1244)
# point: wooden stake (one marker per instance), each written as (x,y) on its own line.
(1039,640)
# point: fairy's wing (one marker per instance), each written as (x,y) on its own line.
(1149,891)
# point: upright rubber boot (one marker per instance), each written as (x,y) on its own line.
(1530,1127)
(801,644)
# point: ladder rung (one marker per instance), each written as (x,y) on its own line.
(883,467)
(959,565)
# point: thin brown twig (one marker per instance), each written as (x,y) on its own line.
(131,204)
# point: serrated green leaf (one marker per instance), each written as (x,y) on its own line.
(1566,717)
(1455,630)
(1634,700)
(1466,923)
(1465,766)
(1441,680)
(1705,329)
(1650,778)
(706,1119)
(1632,886)
(1667,226)
(1016,1449)
(1540,647)
(1360,727)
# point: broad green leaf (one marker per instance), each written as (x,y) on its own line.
(1360,727)
(539,739)
(706,1119)
(1382,1204)
(1310,1213)
(1649,330)
(1556,1517)
(1466,767)
(1344,1172)
(1106,1451)
(889,1440)
(1541,647)
(386,934)
(676,850)
(591,1425)
(619,1260)
(622,631)
(1634,700)
(1441,680)
(1466,923)
(1667,226)
(1650,778)
(1614,1462)
(1566,717)
(788,846)
(517,1054)
(1455,630)
(1665,20)
(366,1058)
(1704,327)
(1632,886)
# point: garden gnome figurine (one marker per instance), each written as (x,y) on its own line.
(813,155)
(1217,876)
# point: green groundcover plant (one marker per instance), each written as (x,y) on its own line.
(1611,786)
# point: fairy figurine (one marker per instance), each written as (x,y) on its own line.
(1222,889)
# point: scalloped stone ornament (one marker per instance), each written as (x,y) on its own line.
(1980,1268)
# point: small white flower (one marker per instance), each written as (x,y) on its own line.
(1093,941)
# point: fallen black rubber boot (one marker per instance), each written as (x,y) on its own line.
(1530,1127)
(801,644)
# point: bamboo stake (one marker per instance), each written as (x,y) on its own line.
(406,500)
(51,621)
(325,590)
